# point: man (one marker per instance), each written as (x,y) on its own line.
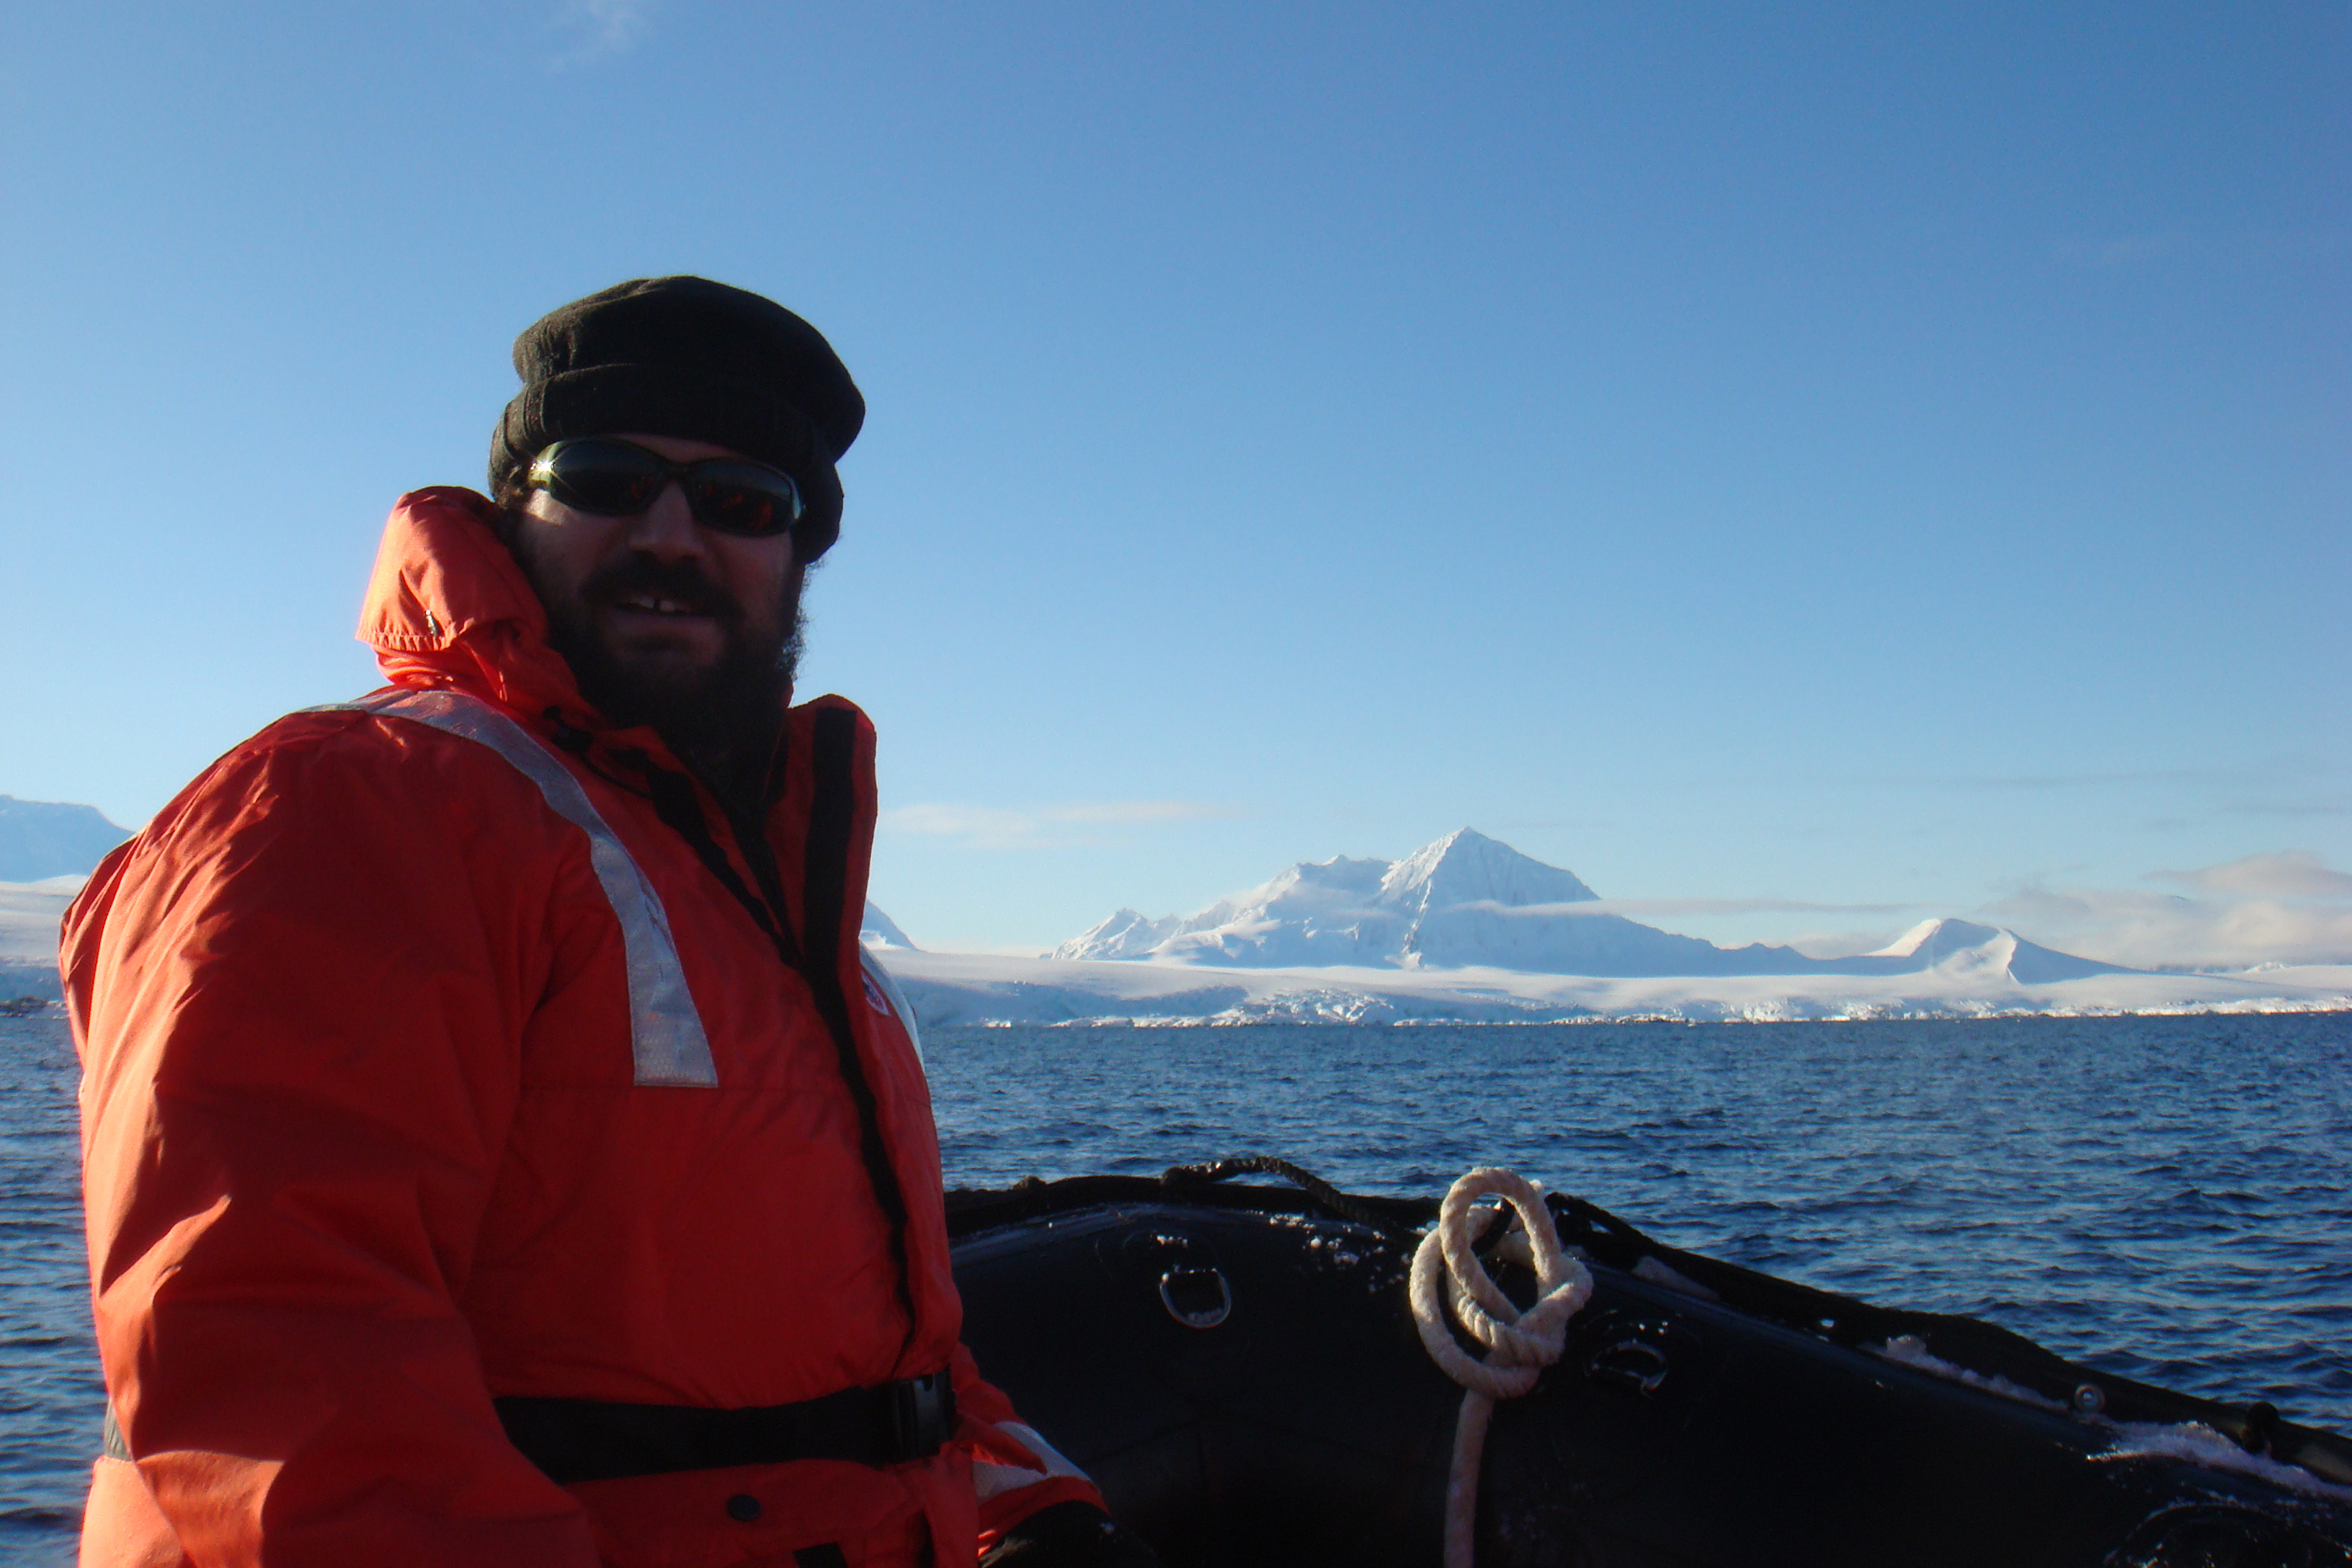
(496,1148)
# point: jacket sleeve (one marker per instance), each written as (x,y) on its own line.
(1015,1472)
(300,996)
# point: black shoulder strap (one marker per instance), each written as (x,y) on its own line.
(675,804)
(832,817)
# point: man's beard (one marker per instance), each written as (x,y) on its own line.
(712,713)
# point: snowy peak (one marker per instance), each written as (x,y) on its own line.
(1465,866)
(1963,946)
(878,929)
(1932,940)
(1336,881)
(1318,912)
(1125,934)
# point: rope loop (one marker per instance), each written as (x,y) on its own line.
(1520,1345)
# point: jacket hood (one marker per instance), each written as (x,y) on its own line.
(448,605)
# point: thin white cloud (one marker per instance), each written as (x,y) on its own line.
(1655,908)
(1639,908)
(606,28)
(1829,943)
(2289,874)
(1038,828)
(2028,782)
(2289,907)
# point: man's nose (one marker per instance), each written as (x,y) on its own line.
(667,528)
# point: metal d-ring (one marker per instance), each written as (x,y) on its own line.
(1633,1363)
(1183,1291)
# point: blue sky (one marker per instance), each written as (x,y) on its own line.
(1813,466)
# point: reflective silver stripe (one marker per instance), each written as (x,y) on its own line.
(990,1479)
(896,998)
(665,1031)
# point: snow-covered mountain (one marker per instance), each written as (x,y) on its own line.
(878,929)
(1467,899)
(1469,902)
(1959,946)
(43,838)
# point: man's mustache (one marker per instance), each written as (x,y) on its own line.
(679,580)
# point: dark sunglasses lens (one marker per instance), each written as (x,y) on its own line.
(743,499)
(607,478)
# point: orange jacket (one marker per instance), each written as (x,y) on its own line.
(430,1058)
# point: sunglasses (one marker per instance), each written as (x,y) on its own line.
(621,478)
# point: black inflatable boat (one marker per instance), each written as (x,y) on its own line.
(1237,1367)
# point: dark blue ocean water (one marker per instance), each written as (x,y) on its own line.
(2165,1198)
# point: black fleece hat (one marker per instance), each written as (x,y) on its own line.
(694,359)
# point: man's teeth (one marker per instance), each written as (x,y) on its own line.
(657,605)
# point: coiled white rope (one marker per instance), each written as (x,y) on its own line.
(1520,1345)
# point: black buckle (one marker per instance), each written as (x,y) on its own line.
(922,1415)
